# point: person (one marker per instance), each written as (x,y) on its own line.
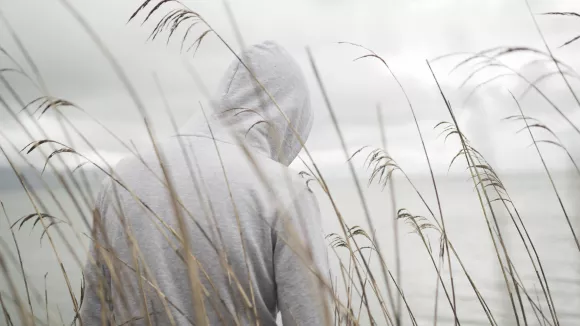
(222,227)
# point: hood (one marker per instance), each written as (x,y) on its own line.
(242,112)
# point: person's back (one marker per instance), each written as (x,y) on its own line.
(243,212)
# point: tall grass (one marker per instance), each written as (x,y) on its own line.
(364,288)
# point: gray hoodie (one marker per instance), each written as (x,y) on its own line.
(252,224)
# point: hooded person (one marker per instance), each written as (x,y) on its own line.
(222,227)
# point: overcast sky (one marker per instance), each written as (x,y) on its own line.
(405,33)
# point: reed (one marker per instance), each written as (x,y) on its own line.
(363,289)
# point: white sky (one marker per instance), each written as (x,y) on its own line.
(405,33)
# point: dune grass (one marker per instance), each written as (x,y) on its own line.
(360,293)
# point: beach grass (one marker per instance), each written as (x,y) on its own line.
(364,288)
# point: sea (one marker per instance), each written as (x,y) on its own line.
(532,194)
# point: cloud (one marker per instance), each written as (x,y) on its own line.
(405,33)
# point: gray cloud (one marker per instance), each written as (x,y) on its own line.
(405,33)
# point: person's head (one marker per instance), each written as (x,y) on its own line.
(241,104)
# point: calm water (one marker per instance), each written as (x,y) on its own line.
(467,230)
